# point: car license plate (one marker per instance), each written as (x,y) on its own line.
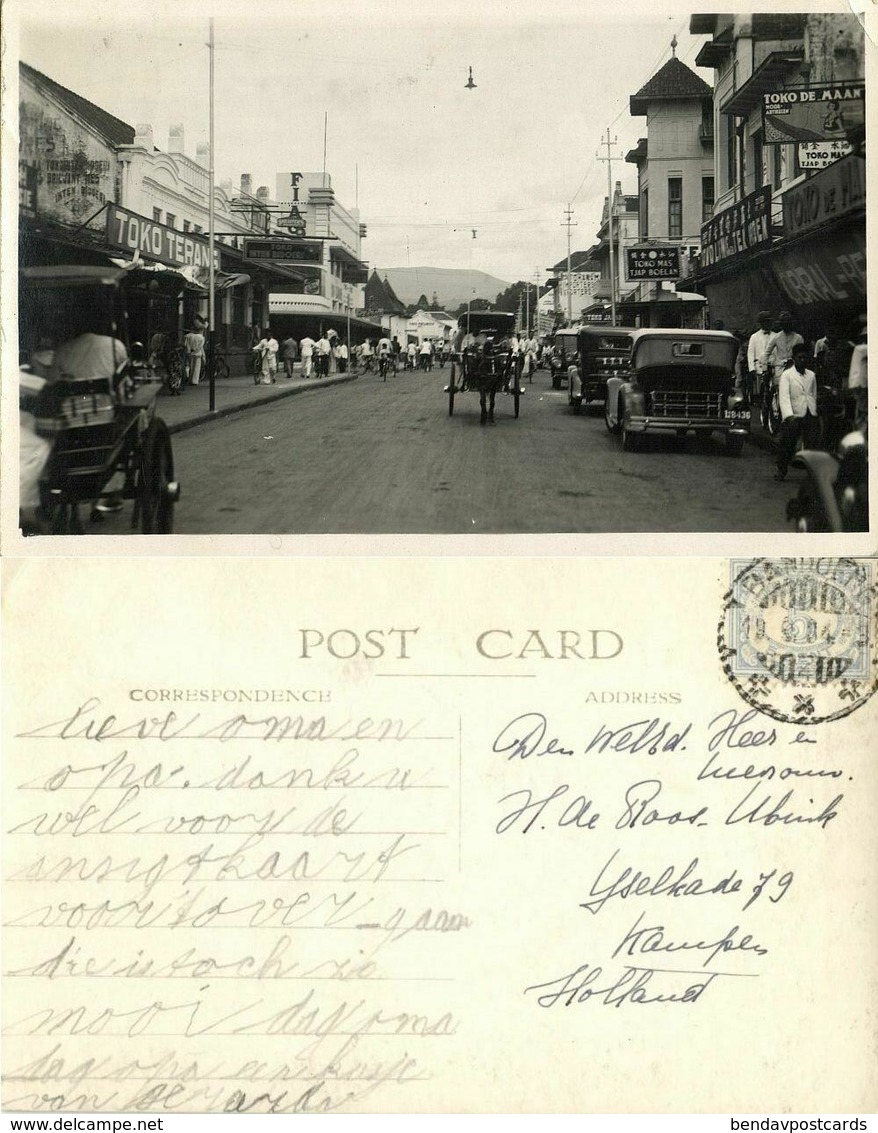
(737,414)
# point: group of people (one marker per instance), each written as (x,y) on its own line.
(177,368)
(325,355)
(776,355)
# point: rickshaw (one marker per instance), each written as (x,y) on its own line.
(679,381)
(483,361)
(603,352)
(90,398)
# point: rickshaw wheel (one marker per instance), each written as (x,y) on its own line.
(155,496)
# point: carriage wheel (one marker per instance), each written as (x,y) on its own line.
(64,519)
(516,399)
(451,396)
(157,489)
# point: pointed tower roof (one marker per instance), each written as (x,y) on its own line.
(672,81)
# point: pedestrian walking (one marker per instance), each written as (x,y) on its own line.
(341,356)
(289,353)
(306,349)
(411,355)
(193,344)
(797,391)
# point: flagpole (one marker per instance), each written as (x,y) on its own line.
(211,242)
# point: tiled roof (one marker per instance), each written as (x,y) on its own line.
(117,132)
(380,296)
(579,261)
(673,81)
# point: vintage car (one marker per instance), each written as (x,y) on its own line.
(603,353)
(565,352)
(679,381)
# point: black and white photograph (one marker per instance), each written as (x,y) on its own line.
(358,269)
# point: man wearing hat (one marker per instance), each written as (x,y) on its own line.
(757,356)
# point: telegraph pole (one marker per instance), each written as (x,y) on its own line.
(570,223)
(609,160)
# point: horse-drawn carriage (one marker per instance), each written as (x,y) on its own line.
(482,360)
(89,433)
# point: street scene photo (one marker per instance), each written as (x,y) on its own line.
(458,270)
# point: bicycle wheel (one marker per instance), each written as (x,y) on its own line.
(220,367)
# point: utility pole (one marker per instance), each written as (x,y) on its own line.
(610,227)
(211,244)
(537,275)
(570,223)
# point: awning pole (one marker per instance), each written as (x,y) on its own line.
(211,244)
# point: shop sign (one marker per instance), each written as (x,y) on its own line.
(820,155)
(280,303)
(818,113)
(283,250)
(152,241)
(836,191)
(652,263)
(69,172)
(27,189)
(816,274)
(740,228)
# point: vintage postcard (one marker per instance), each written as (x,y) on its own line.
(442,840)
(459,275)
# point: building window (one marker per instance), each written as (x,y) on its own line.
(644,214)
(197,228)
(742,161)
(157,215)
(186,226)
(776,166)
(730,155)
(706,199)
(171,220)
(675,208)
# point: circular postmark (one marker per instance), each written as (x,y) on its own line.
(796,636)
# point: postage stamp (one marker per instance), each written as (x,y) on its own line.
(797,636)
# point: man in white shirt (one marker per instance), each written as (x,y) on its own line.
(306,351)
(193,344)
(267,348)
(341,357)
(323,347)
(426,353)
(757,355)
(797,391)
(780,349)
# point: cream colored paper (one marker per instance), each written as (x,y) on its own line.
(242,873)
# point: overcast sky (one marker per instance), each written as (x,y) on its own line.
(434,159)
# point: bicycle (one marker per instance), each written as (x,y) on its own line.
(220,365)
(384,365)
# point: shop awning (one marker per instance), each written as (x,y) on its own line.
(768,76)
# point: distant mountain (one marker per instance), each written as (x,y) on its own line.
(452,286)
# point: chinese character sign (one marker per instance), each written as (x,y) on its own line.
(652,263)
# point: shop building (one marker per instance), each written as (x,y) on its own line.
(675,190)
(333,293)
(788,227)
(621,224)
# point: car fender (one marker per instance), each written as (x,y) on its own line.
(614,386)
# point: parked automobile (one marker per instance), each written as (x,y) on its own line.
(603,353)
(679,381)
(565,352)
